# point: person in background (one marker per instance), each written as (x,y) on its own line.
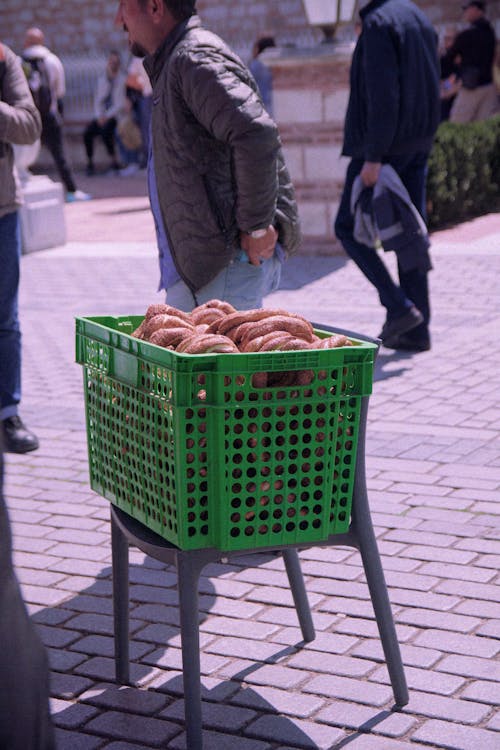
(450,80)
(139,88)
(52,120)
(20,123)
(109,103)
(221,196)
(474,52)
(24,686)
(392,116)
(261,72)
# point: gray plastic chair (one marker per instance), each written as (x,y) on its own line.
(127,531)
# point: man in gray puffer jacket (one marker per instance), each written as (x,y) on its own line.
(220,192)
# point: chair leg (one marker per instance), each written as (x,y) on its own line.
(294,572)
(119,548)
(382,608)
(188,572)
(362,530)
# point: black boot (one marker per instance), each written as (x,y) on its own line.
(16,437)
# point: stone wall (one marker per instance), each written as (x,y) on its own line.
(81,26)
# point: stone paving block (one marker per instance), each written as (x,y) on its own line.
(339,571)
(79,567)
(272,675)
(358,626)
(72,522)
(70,715)
(125,698)
(67,686)
(45,595)
(331,643)
(352,715)
(228,626)
(245,648)
(423,599)
(451,709)
(489,561)
(410,654)
(348,689)
(489,628)
(471,589)
(86,603)
(297,731)
(468,645)
(370,742)
(283,597)
(331,663)
(456,736)
(229,588)
(230,607)
(288,616)
(423,679)
(454,555)
(171,658)
(100,645)
(214,715)
(67,740)
(398,564)
(79,551)
(395,725)
(494,722)
(337,588)
(440,620)
(218,741)
(153,594)
(467,531)
(479,607)
(459,572)
(471,666)
(422,539)
(57,637)
(262,698)
(61,660)
(344,606)
(484,545)
(118,725)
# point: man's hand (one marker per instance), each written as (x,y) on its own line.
(261,248)
(370,172)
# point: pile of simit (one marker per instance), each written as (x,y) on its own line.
(216,327)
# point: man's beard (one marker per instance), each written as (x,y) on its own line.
(138,50)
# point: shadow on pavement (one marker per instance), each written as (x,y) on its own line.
(301,270)
(89,706)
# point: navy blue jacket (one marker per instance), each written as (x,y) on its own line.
(394,101)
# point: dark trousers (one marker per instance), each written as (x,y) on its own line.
(413,285)
(10,334)
(106,132)
(52,139)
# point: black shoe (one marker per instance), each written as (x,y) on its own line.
(408,344)
(16,438)
(395,327)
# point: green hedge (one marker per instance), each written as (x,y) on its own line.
(464,172)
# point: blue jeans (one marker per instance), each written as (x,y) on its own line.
(10,334)
(413,285)
(240,283)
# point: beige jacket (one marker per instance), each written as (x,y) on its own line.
(19,123)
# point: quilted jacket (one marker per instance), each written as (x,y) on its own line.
(217,154)
(19,123)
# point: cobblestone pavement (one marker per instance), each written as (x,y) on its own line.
(433,465)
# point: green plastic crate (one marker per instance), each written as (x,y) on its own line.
(189,446)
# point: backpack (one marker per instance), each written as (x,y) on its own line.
(35,70)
